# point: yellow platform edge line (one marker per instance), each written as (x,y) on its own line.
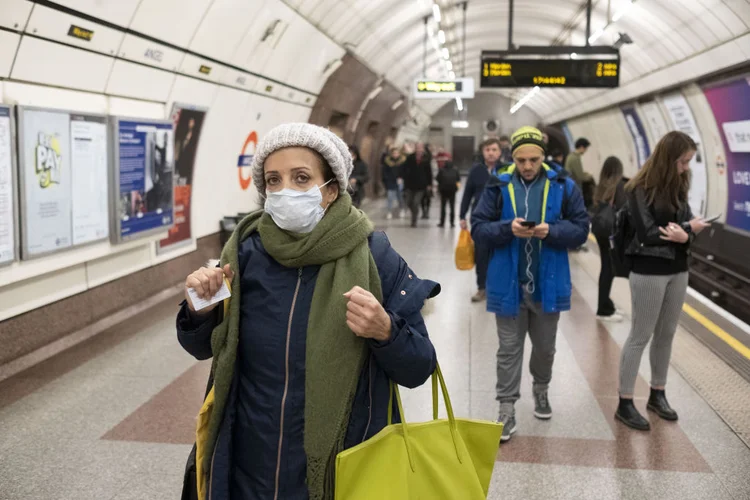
(709,325)
(716,330)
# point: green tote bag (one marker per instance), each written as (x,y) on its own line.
(437,460)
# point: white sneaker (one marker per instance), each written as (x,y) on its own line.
(389,216)
(612,318)
(402,214)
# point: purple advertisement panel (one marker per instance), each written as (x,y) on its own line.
(638,133)
(730,103)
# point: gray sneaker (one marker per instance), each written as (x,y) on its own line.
(542,409)
(508,418)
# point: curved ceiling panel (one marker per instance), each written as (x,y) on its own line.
(388,35)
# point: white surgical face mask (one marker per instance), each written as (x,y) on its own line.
(296,211)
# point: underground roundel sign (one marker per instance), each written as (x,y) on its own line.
(245,160)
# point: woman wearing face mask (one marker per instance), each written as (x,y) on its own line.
(323,314)
(657,199)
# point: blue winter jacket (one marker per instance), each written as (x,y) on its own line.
(568,221)
(246,461)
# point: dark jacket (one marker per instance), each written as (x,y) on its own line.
(646,220)
(417,176)
(475,183)
(392,172)
(245,458)
(361,173)
(448,178)
(562,208)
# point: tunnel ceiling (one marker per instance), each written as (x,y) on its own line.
(388,36)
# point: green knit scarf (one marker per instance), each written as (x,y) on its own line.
(335,356)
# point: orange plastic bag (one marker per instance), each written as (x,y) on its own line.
(465,251)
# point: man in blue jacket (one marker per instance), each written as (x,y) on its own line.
(529,216)
(479,174)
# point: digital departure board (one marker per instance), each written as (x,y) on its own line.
(443,89)
(520,71)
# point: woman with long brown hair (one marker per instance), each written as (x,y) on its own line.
(664,228)
(608,198)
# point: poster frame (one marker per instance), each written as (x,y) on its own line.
(21,184)
(115,227)
(14,186)
(182,244)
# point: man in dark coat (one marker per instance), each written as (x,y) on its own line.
(417,174)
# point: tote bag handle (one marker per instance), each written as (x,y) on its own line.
(437,377)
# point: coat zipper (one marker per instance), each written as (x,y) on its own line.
(286,383)
(369,392)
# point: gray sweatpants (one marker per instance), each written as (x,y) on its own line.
(511,332)
(657,302)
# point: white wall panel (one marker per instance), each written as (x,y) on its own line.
(18,298)
(239,79)
(47,97)
(118,12)
(268,88)
(223,27)
(53,64)
(14,13)
(138,109)
(56,25)
(112,267)
(192,91)
(270,24)
(216,187)
(147,52)
(8,46)
(174,21)
(135,80)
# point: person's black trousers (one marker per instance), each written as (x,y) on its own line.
(413,200)
(426,200)
(448,199)
(607,274)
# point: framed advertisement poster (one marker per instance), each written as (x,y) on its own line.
(188,123)
(63,173)
(8,200)
(142,177)
(683,120)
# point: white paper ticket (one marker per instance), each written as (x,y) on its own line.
(199,303)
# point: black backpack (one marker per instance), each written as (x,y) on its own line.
(603,221)
(622,234)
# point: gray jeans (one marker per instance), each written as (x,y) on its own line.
(511,332)
(657,305)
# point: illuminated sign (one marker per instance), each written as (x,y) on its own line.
(81,33)
(444,89)
(510,70)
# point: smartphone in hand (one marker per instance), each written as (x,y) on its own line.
(528,223)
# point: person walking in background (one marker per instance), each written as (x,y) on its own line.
(359,177)
(529,216)
(608,199)
(417,175)
(391,168)
(427,198)
(506,157)
(574,166)
(479,174)
(447,181)
(658,208)
(555,160)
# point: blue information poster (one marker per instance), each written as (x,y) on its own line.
(145,177)
(638,132)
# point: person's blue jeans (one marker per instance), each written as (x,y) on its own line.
(394,197)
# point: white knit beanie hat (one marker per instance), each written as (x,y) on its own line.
(329,145)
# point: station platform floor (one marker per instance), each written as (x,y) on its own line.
(113,417)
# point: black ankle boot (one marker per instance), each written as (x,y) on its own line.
(629,415)
(657,403)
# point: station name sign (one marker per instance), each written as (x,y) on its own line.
(444,89)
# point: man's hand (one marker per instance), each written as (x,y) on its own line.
(463,224)
(366,316)
(541,231)
(520,231)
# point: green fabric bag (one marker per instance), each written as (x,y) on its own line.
(436,460)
